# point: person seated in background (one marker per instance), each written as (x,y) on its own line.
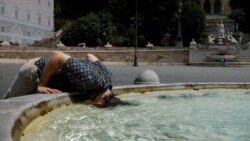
(58,72)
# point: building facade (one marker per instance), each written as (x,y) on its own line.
(216,6)
(26,21)
(217,11)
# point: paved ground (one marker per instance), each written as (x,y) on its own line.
(125,75)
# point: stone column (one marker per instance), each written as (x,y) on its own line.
(222,6)
(212,6)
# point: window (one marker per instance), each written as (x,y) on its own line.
(39,19)
(49,21)
(16,14)
(16,10)
(207,6)
(28,33)
(28,16)
(2,9)
(2,29)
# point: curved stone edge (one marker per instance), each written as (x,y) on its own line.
(16,113)
(179,86)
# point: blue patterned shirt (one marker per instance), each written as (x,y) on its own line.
(88,78)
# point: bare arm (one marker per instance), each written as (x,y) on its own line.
(55,62)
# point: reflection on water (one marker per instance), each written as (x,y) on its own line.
(180,116)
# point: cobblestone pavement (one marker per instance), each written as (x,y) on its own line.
(125,75)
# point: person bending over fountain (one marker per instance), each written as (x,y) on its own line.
(59,72)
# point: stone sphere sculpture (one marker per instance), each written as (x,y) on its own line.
(147,76)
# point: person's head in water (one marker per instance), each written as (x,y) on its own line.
(107,98)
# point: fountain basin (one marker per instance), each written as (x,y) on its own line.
(27,108)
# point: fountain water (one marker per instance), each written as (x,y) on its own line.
(211,114)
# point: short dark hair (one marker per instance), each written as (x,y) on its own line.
(111,100)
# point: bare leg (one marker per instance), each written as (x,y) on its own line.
(26,81)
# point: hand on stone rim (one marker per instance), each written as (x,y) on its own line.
(47,90)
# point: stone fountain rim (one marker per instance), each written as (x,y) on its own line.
(29,107)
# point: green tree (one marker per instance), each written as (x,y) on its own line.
(116,21)
(86,29)
(57,8)
(241,14)
(156,18)
(77,9)
(193,21)
(90,29)
(70,35)
(108,29)
(123,12)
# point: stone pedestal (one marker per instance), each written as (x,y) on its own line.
(192,44)
(220,41)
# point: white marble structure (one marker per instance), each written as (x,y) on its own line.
(149,45)
(108,45)
(5,43)
(60,45)
(231,39)
(26,21)
(221,30)
(193,44)
(211,39)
